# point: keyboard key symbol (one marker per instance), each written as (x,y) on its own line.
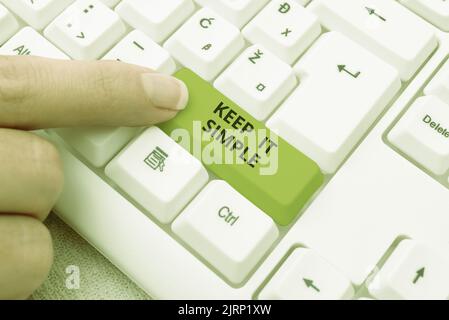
(311,284)
(284,8)
(156,159)
(419,274)
(206,23)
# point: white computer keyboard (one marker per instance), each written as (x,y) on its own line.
(361,87)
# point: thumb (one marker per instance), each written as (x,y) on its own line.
(44,93)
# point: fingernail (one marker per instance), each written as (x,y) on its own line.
(165,91)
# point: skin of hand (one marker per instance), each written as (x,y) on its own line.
(37,93)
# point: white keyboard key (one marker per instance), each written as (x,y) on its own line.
(8,24)
(384,27)
(86,29)
(158,19)
(439,85)
(412,272)
(97,145)
(29,42)
(227,230)
(110,3)
(37,13)
(307,276)
(344,89)
(238,12)
(205,44)
(158,173)
(285,28)
(137,48)
(435,11)
(257,81)
(423,134)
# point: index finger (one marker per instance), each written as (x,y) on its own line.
(45,93)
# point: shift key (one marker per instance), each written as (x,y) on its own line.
(239,149)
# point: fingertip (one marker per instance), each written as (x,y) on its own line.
(165,92)
(28,256)
(184,95)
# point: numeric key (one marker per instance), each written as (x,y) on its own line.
(86,29)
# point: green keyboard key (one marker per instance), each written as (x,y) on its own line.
(241,150)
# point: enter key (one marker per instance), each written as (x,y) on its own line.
(241,150)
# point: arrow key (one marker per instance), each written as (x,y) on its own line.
(384,27)
(307,276)
(413,272)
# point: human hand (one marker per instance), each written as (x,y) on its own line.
(38,93)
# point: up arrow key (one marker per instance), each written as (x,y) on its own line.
(310,284)
(372,11)
(419,275)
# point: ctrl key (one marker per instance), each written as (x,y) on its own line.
(227,230)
